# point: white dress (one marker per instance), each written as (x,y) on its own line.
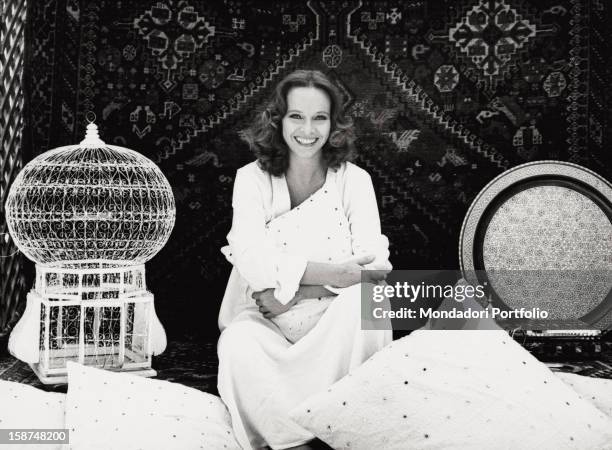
(266,368)
(318,230)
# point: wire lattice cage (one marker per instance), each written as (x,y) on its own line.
(99,317)
(80,203)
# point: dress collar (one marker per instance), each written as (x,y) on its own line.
(281,201)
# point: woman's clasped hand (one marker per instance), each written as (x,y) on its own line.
(355,271)
(268,305)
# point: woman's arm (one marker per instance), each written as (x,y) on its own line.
(340,275)
(251,250)
(312,291)
(361,210)
(270,307)
(347,275)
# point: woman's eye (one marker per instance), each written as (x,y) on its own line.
(321,117)
(295,116)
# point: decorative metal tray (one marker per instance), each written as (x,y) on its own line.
(540,235)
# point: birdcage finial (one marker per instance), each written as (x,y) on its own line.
(92,138)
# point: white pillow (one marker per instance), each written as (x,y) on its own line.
(107,410)
(450,390)
(596,390)
(23,406)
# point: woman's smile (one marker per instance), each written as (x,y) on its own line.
(307,123)
(306,142)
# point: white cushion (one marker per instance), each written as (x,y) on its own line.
(23,406)
(454,389)
(107,410)
(596,390)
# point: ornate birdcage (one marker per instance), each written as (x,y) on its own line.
(89,216)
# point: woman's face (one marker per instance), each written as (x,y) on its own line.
(307,124)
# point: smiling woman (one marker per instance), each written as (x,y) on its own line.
(305,224)
(268,134)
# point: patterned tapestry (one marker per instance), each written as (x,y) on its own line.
(12,274)
(445,95)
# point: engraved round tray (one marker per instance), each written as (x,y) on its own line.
(540,236)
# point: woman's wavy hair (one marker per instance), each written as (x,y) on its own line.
(265,135)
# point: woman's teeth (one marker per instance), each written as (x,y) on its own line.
(306,141)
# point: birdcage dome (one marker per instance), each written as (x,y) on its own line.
(89,203)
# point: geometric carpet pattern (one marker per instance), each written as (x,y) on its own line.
(445,95)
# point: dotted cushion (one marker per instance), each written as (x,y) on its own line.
(596,390)
(23,406)
(454,389)
(108,410)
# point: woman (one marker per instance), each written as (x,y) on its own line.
(305,224)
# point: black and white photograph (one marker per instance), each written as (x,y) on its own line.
(305,224)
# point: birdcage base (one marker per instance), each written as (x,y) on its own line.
(54,367)
(96,322)
(62,378)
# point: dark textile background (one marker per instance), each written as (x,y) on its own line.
(445,96)
(12,277)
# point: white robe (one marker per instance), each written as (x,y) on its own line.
(261,374)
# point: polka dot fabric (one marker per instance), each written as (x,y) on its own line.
(596,390)
(318,230)
(23,406)
(454,389)
(106,410)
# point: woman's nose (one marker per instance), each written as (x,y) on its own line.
(308,127)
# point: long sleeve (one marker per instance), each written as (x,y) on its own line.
(361,211)
(251,250)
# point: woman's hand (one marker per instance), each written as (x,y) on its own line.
(268,305)
(349,273)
